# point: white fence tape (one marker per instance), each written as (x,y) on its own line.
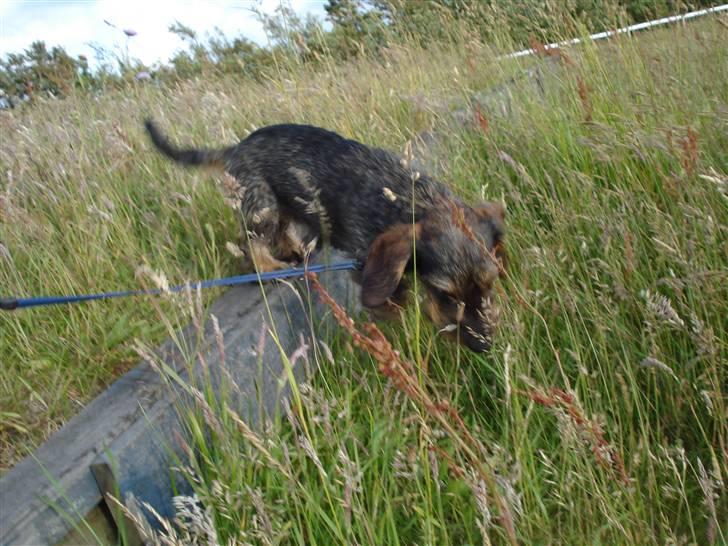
(629,29)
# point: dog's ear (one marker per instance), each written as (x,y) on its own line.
(494,213)
(492,210)
(386,261)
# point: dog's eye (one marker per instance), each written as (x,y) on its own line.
(446,297)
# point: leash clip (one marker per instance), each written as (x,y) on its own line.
(8,304)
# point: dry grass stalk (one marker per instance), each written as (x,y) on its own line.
(661,308)
(483,122)
(710,485)
(257,443)
(605,454)
(262,521)
(351,476)
(537,46)
(583,91)
(689,158)
(629,254)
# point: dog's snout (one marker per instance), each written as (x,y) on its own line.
(465,328)
(474,341)
(475,334)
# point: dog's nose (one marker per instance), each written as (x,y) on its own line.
(475,344)
(474,337)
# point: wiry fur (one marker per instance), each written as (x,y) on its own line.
(368,203)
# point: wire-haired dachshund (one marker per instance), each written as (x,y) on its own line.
(371,205)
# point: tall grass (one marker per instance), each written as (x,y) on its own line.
(599,415)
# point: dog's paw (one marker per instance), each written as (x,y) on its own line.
(385,312)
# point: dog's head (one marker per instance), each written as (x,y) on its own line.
(459,254)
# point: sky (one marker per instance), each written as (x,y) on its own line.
(74,24)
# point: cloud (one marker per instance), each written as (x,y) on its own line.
(76,24)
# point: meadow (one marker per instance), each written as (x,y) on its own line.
(599,415)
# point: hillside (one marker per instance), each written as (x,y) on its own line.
(600,411)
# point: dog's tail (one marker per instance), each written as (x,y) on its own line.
(190,156)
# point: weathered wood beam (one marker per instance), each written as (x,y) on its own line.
(132,426)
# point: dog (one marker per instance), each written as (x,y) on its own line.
(371,205)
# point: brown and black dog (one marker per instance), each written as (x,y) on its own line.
(371,205)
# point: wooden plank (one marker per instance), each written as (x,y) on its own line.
(131,425)
(120,520)
(100,530)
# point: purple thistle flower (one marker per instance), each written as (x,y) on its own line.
(143,75)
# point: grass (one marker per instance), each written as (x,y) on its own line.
(598,417)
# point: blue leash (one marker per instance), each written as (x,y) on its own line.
(9,304)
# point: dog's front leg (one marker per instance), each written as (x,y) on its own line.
(261,219)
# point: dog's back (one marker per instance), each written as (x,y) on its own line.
(344,191)
(363,190)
